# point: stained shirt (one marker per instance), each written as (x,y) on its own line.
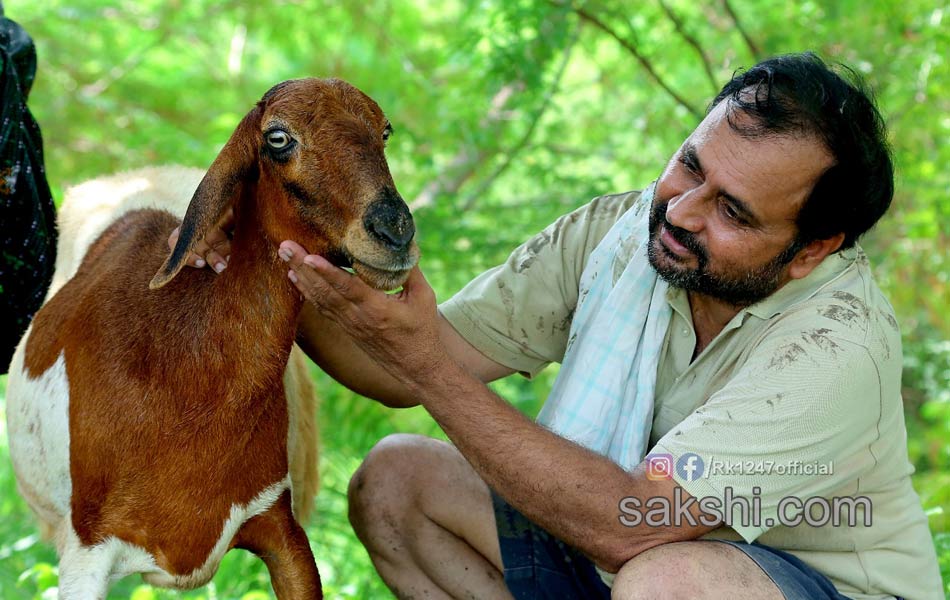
(795,403)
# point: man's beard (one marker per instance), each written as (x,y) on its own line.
(737,288)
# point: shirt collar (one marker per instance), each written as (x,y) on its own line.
(799,290)
(790,294)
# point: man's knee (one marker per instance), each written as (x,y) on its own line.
(386,487)
(381,481)
(660,572)
(695,569)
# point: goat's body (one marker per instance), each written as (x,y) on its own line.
(150,424)
(147,450)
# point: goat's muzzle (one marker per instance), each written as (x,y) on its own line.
(384,252)
(389,222)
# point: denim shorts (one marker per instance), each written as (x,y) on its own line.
(538,565)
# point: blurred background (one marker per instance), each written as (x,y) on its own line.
(507,113)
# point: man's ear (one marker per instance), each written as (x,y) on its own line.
(812,254)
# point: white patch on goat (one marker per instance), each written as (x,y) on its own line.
(38,429)
(85,571)
(239,515)
(90,207)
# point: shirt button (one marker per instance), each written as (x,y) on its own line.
(685,331)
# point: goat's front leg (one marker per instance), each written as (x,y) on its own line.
(83,570)
(280,541)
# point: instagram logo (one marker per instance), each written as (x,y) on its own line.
(659,466)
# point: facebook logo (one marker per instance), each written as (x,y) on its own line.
(690,466)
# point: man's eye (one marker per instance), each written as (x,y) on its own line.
(686,162)
(731,213)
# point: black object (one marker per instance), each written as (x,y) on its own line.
(27,213)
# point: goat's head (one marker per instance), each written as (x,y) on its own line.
(313,150)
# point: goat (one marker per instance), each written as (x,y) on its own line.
(147,414)
(90,207)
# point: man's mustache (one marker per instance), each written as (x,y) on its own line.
(687,239)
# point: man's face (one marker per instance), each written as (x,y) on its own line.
(723,216)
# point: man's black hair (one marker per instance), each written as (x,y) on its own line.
(798,94)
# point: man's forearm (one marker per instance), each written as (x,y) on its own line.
(565,488)
(327,344)
(573,493)
(336,353)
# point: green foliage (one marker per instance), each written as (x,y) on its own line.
(507,114)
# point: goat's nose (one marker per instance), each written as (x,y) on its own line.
(389,221)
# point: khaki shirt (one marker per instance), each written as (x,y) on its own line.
(798,397)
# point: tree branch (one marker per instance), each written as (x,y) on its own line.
(692,41)
(467,161)
(529,132)
(132,61)
(458,171)
(753,47)
(631,47)
(128,65)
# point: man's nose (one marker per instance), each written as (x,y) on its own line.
(686,210)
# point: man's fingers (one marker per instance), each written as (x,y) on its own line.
(220,247)
(193,259)
(204,253)
(226,222)
(416,289)
(214,249)
(416,281)
(216,260)
(295,251)
(313,287)
(310,266)
(346,284)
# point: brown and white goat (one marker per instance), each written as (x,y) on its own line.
(146,406)
(89,208)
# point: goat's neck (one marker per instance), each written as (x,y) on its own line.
(259,305)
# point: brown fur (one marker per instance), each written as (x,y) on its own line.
(143,455)
(177,400)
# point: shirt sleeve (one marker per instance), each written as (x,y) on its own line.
(519,313)
(795,422)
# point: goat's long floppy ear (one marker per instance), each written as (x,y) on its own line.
(215,193)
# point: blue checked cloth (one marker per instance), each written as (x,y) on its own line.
(603,396)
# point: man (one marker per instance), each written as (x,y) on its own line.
(28,242)
(724,320)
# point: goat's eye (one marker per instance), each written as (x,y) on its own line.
(387,132)
(277,139)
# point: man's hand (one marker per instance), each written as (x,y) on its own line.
(515,456)
(399,331)
(214,249)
